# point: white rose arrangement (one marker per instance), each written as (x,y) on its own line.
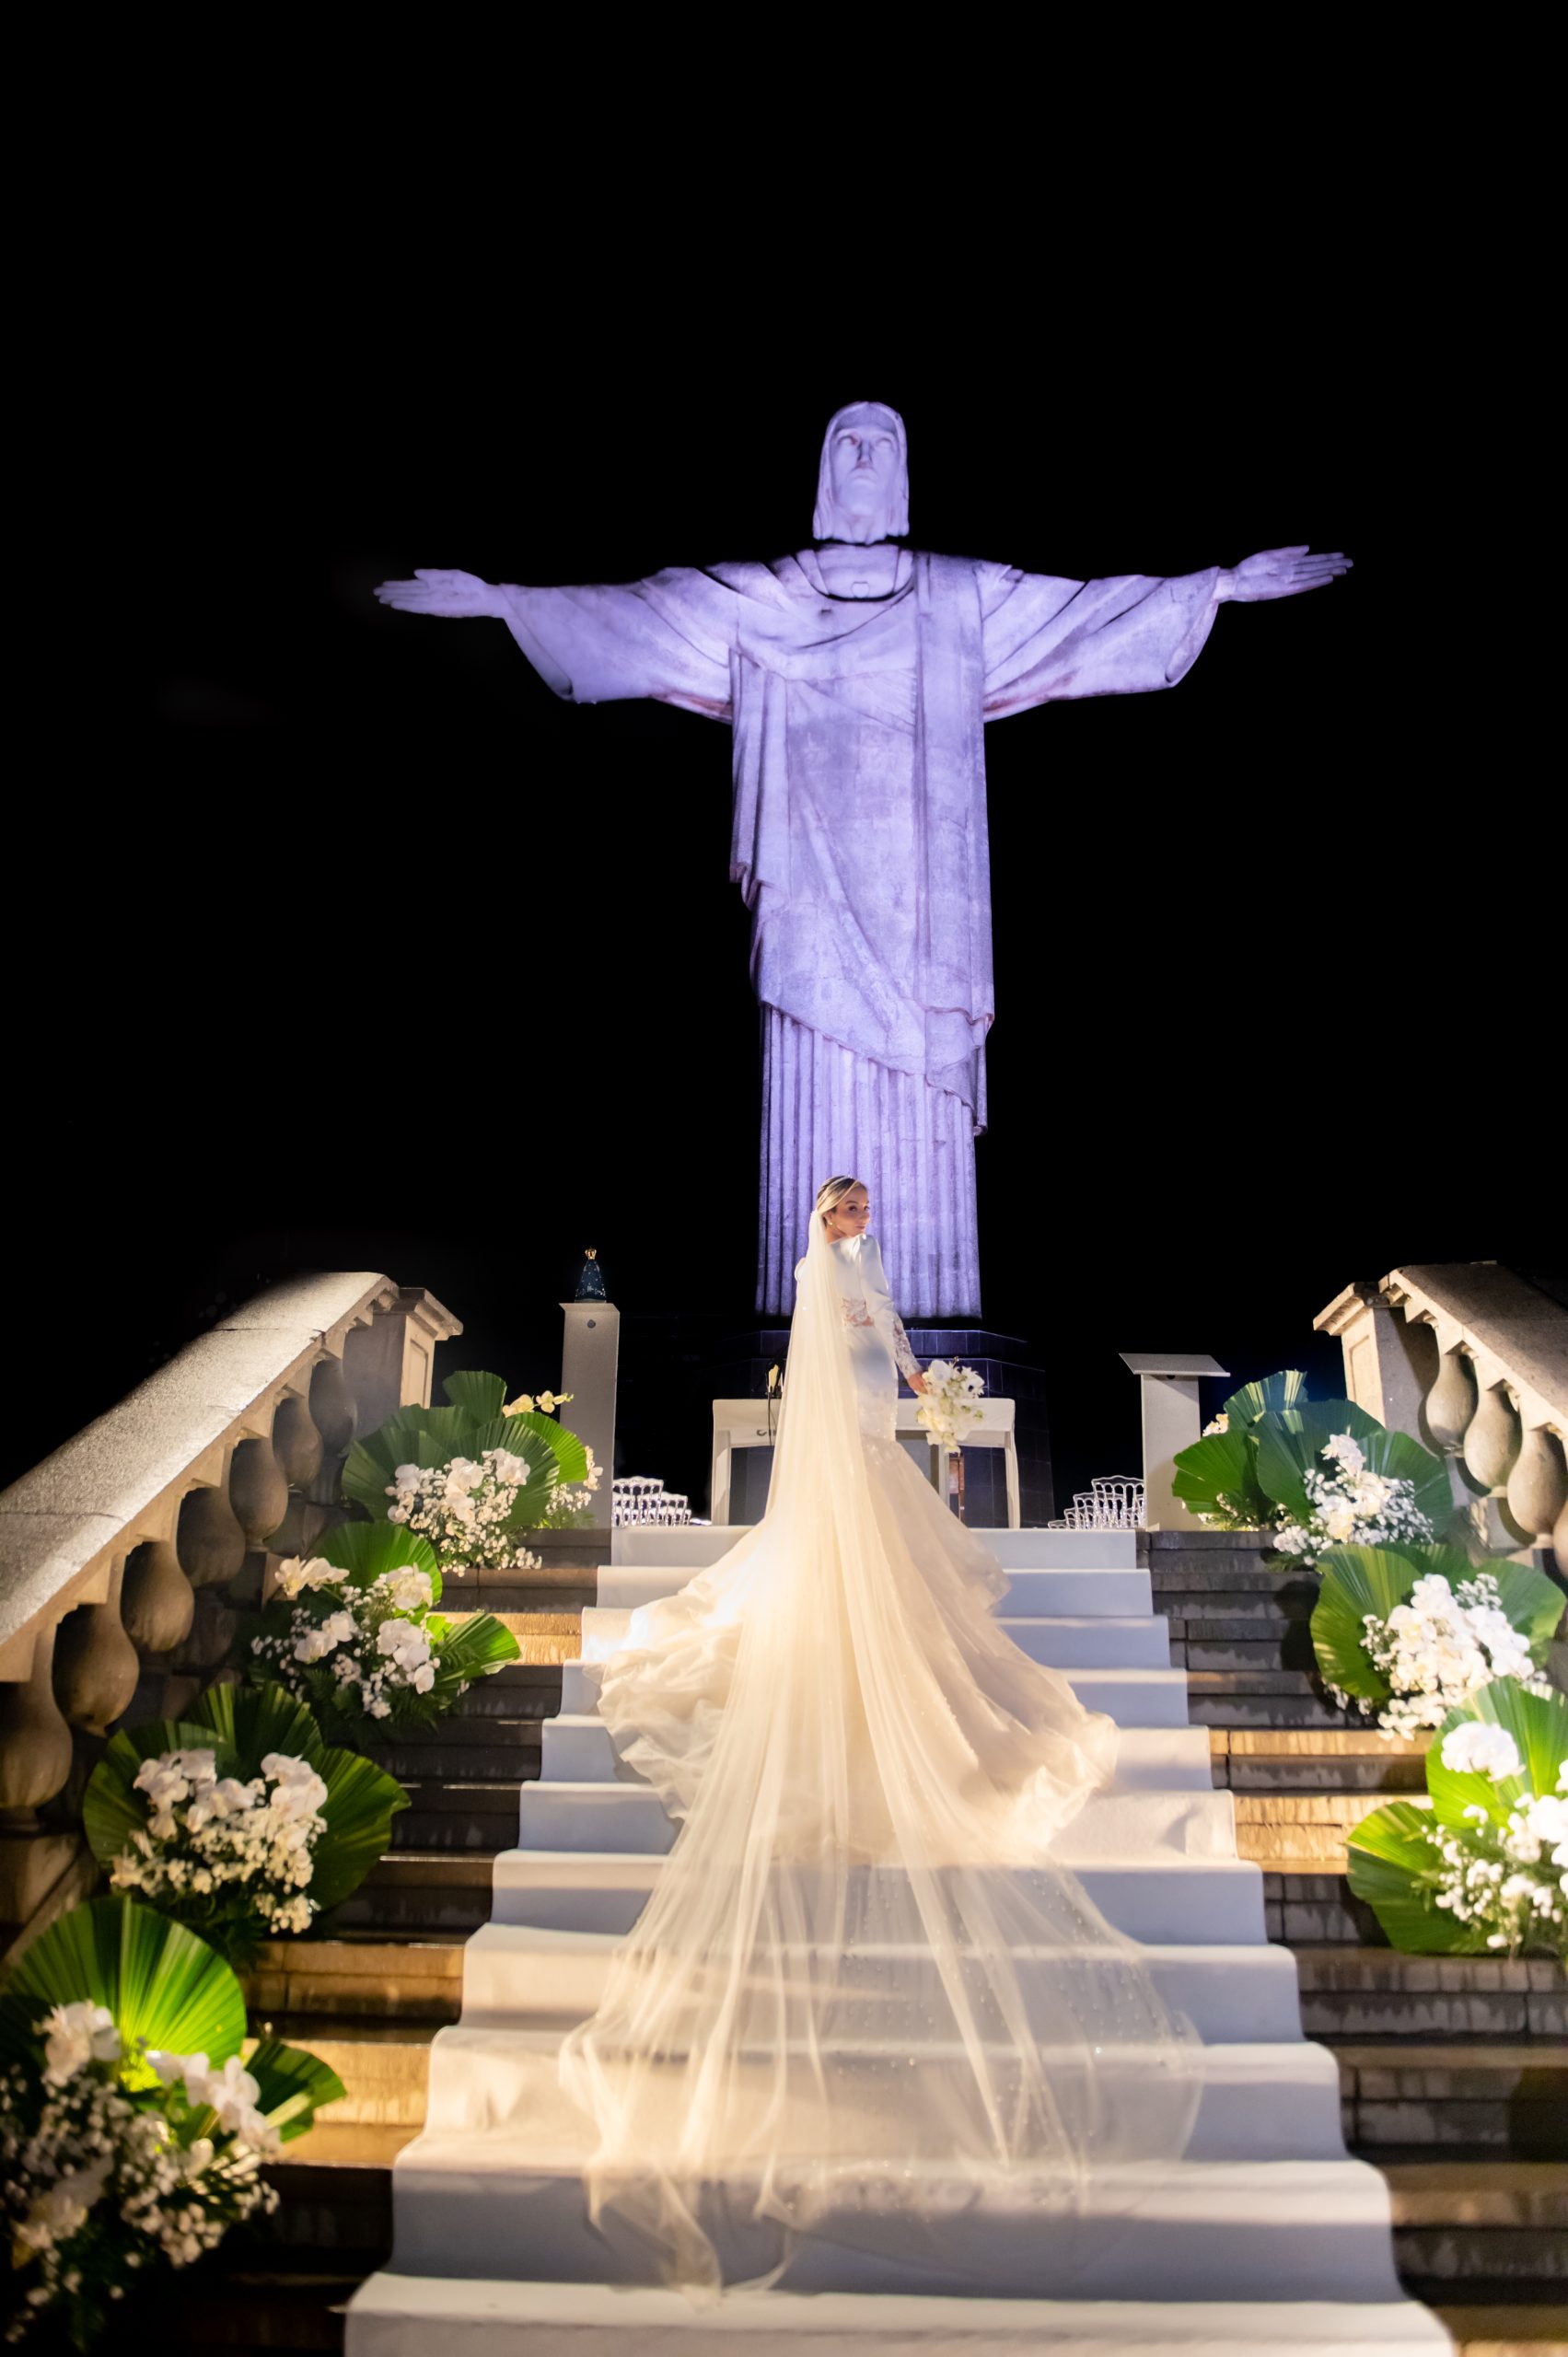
(1350,1505)
(949,1404)
(464,1509)
(227,1851)
(1439,1649)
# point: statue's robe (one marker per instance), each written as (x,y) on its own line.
(859,841)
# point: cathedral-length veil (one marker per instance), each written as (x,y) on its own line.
(861,1998)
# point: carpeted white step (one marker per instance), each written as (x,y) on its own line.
(577,1750)
(519,1976)
(408,2316)
(703,1543)
(1122,1593)
(1257,2103)
(468,2201)
(1133,1697)
(623,1817)
(1062,1641)
(1156,1898)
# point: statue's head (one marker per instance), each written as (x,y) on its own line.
(863,483)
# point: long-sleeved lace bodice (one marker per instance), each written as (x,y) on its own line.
(874,1329)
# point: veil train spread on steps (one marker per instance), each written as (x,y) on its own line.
(861,1994)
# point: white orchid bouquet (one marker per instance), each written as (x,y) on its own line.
(474,1476)
(119,2157)
(354,1632)
(247,1848)
(238,1820)
(1485,1866)
(1443,1647)
(950,1402)
(1408,1635)
(1350,1504)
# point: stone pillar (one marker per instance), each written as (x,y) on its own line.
(1172,1421)
(390,1364)
(590,1352)
(1391,1365)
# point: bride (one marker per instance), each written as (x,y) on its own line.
(862,1997)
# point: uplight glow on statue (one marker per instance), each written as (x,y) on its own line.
(858,675)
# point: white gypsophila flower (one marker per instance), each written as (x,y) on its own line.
(1479,1749)
(75,2035)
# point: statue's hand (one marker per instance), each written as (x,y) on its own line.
(1279,572)
(459,596)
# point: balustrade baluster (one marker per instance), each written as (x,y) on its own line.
(1451,1402)
(258,1490)
(297,1441)
(156,1600)
(332,1406)
(1492,1438)
(35,1741)
(1538,1485)
(95,1667)
(210,1540)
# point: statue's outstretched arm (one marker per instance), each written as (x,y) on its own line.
(1278,572)
(457,595)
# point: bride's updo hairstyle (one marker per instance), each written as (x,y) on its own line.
(830,1194)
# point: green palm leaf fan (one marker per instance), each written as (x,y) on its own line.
(158,1980)
(366,1550)
(1358,1581)
(1216,1476)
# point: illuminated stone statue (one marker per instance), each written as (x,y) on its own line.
(857,677)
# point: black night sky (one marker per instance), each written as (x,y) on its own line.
(393,961)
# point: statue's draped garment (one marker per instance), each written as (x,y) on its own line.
(859,841)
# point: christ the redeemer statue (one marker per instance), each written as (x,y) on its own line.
(857,677)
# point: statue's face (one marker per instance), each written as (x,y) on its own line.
(864,465)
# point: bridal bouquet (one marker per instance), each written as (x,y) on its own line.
(1349,1503)
(949,1404)
(354,1633)
(245,1847)
(116,2154)
(1486,1866)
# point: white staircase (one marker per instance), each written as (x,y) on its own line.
(1265,2237)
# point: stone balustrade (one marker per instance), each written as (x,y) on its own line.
(123,1555)
(1474,1361)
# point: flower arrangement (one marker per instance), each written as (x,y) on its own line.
(1408,1635)
(1349,1503)
(118,2154)
(238,1820)
(472,1476)
(354,1632)
(1310,1475)
(206,1834)
(949,1404)
(1486,1866)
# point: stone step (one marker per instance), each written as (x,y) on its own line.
(1357,1994)
(1354,1739)
(519,1677)
(1133,1697)
(1192,1575)
(420,1890)
(1465,2219)
(1383,1779)
(1503,2327)
(1255,2103)
(1284,1699)
(577,1750)
(465,1816)
(398,2315)
(1240,1612)
(625,1816)
(1153,1898)
(470,1752)
(1241,1655)
(494,2200)
(519,1976)
(1066,1643)
(413,1979)
(1300,1827)
(1505,2097)
(1306,1902)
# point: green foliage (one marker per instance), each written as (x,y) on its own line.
(1361,1580)
(1218,1478)
(431,1437)
(159,1980)
(1289,1449)
(367,1549)
(1270,1392)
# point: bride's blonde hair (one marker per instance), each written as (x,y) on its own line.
(831,1193)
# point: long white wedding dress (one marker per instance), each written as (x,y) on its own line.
(861,1994)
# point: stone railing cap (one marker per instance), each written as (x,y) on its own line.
(1522,1328)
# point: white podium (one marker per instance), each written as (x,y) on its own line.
(743,1423)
